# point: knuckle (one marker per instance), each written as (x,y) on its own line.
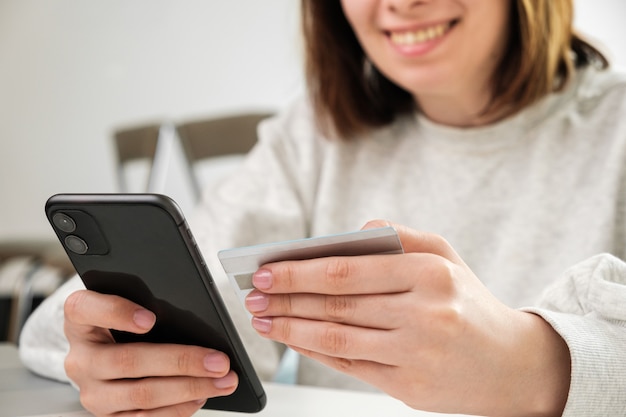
(446,323)
(450,319)
(339,307)
(86,400)
(343,364)
(196,388)
(90,400)
(438,244)
(283,329)
(441,275)
(286,305)
(126,360)
(140,396)
(72,366)
(439,241)
(285,274)
(71,308)
(335,341)
(179,411)
(184,362)
(446,278)
(337,272)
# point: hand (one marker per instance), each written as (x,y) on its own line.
(419,325)
(122,378)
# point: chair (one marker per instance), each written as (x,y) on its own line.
(151,144)
(30,270)
(229,135)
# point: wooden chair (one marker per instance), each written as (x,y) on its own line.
(149,143)
(233,134)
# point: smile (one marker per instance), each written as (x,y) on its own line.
(420,36)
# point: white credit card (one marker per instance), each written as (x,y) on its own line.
(241,263)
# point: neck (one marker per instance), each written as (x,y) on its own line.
(461,104)
(458,110)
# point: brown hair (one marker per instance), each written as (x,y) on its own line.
(350,96)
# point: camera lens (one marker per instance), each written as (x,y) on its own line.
(64,222)
(76,244)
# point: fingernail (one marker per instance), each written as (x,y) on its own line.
(263,325)
(262,279)
(257,302)
(215,362)
(227,381)
(201,401)
(144,319)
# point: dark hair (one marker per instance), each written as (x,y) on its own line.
(350,96)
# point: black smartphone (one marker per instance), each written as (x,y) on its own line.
(139,246)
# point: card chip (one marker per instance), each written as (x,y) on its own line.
(244,281)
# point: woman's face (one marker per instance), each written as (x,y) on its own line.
(433,48)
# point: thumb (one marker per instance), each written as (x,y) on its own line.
(418,241)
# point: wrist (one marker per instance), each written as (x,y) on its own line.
(545,369)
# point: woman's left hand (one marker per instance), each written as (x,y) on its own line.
(419,326)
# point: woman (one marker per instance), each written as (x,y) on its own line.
(484,122)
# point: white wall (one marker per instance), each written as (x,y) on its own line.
(72,70)
(603,22)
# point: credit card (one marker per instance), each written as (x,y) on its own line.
(241,263)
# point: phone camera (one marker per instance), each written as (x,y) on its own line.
(64,222)
(76,244)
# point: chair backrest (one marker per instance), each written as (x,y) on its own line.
(137,144)
(233,134)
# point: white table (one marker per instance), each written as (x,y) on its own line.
(23,394)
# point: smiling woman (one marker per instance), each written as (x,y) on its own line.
(440,57)
(493,140)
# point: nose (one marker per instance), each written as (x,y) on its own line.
(405,6)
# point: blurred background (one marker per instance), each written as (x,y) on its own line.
(73,72)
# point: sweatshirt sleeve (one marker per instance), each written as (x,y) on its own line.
(587,307)
(43,345)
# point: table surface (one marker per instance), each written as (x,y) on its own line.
(23,394)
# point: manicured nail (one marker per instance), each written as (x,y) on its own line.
(263,325)
(227,381)
(257,302)
(262,279)
(144,319)
(215,362)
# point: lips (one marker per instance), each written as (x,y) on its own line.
(419,36)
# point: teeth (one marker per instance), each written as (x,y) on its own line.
(419,36)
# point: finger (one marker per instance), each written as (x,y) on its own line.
(154,393)
(331,339)
(374,373)
(418,241)
(378,311)
(420,388)
(369,274)
(180,410)
(89,308)
(138,360)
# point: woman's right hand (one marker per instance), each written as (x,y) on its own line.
(122,378)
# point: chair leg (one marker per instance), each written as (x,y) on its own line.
(22,302)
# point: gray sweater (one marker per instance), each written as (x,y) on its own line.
(535,205)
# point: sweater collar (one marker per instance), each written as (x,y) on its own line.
(503,133)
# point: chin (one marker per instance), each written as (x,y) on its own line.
(434,85)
